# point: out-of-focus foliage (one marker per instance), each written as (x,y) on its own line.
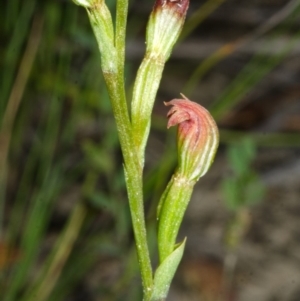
(243,188)
(64,209)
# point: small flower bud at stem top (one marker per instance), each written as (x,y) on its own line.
(164,27)
(198,137)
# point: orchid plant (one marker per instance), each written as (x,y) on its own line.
(197,131)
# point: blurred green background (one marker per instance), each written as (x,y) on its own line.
(65,231)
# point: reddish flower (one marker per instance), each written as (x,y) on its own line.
(197,137)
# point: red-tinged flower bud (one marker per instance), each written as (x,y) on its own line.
(198,137)
(165,24)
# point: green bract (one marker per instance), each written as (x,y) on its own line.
(164,27)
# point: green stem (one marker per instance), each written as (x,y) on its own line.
(112,59)
(121,22)
(133,176)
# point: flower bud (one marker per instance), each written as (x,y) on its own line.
(165,24)
(197,137)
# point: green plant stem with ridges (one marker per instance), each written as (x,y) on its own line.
(113,70)
(133,178)
(121,21)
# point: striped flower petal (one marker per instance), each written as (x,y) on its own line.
(197,137)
